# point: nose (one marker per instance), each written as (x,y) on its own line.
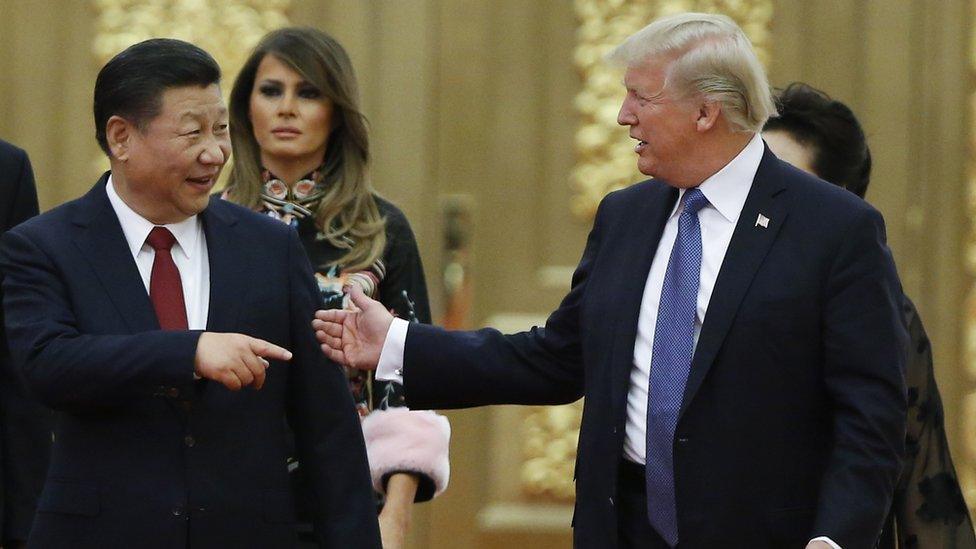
(626,116)
(216,151)
(286,106)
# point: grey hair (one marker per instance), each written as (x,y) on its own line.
(711,57)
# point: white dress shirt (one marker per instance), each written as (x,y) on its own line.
(189,253)
(726,191)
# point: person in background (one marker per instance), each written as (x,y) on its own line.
(822,136)
(170,332)
(301,156)
(25,425)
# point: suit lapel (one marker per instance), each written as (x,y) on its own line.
(747,249)
(103,245)
(228,267)
(640,241)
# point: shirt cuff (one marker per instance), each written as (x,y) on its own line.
(826,540)
(390,365)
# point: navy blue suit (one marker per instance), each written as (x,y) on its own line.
(25,425)
(144,455)
(793,417)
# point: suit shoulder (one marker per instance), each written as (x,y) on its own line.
(821,198)
(9,151)
(54,221)
(643,190)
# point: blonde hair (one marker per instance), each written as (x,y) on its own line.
(347,215)
(711,57)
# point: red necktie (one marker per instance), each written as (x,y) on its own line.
(165,287)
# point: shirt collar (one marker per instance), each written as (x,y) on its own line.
(136,228)
(728,188)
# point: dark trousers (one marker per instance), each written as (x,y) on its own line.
(633,529)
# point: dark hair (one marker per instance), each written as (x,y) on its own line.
(840,150)
(132,83)
(348,214)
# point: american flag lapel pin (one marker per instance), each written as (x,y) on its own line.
(762,221)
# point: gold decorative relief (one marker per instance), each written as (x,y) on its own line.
(228,29)
(549,442)
(605,161)
(605,156)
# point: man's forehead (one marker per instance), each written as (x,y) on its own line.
(187,101)
(648,73)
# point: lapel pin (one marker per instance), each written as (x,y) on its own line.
(762,221)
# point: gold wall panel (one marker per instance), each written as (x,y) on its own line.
(605,162)
(967,472)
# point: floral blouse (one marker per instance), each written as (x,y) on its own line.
(396,279)
(928,509)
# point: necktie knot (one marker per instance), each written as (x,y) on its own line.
(161,239)
(695,200)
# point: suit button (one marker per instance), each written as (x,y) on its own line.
(177,511)
(611,501)
(614,430)
(682,440)
(189,441)
(172,392)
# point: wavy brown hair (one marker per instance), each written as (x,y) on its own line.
(347,215)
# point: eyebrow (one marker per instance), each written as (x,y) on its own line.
(197,114)
(301,82)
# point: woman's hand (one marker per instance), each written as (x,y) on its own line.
(395,516)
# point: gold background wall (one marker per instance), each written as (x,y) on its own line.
(474,100)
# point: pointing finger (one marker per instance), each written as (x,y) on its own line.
(264,349)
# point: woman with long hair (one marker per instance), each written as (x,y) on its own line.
(301,155)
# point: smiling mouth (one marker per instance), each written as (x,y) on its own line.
(639,146)
(202,181)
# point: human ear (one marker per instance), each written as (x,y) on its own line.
(708,113)
(118,132)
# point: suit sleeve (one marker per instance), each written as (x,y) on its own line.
(445,369)
(864,350)
(67,369)
(326,426)
(27,425)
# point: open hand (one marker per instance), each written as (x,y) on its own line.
(354,338)
(235,360)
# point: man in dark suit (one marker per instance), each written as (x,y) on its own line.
(25,439)
(158,322)
(733,325)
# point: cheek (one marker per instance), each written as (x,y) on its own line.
(258,114)
(320,118)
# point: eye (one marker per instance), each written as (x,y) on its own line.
(269,90)
(220,128)
(192,133)
(309,92)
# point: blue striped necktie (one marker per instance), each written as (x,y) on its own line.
(674,342)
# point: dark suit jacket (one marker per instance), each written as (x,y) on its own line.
(793,417)
(146,456)
(25,425)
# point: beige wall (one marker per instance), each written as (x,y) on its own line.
(474,97)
